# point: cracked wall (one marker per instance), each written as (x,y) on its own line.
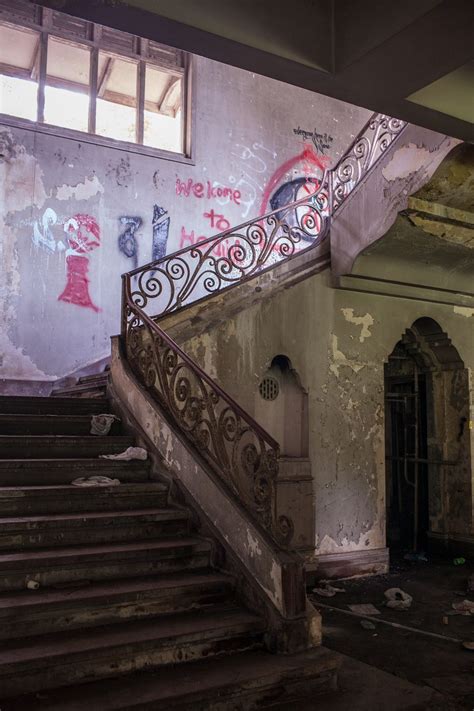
(337,341)
(74,215)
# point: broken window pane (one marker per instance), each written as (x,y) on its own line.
(19,61)
(67,84)
(163,126)
(117,97)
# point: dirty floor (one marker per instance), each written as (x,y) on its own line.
(438,673)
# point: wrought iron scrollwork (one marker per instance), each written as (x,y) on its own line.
(244,455)
(377,136)
(233,256)
(234,445)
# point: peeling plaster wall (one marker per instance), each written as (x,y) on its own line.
(247,129)
(338,342)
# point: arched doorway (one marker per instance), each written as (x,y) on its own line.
(428,458)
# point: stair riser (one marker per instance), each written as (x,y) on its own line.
(144,605)
(49,447)
(79,427)
(25,678)
(65,475)
(285,691)
(86,500)
(101,570)
(79,392)
(52,406)
(89,534)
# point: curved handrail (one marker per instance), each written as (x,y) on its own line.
(239,450)
(235,255)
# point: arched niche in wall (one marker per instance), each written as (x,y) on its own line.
(428,442)
(282,407)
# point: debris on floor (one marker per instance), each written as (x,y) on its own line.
(327,590)
(95,481)
(364,609)
(367,624)
(32,585)
(398,599)
(416,557)
(459,561)
(468,645)
(128,454)
(101,424)
(465,607)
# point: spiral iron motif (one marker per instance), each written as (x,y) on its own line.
(239,451)
(370,145)
(230,257)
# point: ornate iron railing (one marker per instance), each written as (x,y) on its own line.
(233,256)
(372,142)
(241,453)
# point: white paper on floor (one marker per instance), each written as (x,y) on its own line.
(95,481)
(364,609)
(101,424)
(130,453)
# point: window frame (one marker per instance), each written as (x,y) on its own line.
(43,23)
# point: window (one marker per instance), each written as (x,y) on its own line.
(62,71)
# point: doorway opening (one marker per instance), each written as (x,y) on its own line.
(427,449)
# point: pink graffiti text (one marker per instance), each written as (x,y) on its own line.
(190,188)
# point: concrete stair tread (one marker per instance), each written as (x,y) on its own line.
(128,487)
(70,553)
(48,424)
(46,648)
(93,462)
(64,438)
(158,513)
(109,591)
(191,683)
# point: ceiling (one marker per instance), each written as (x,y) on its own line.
(408,59)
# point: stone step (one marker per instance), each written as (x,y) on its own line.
(25,613)
(25,532)
(52,406)
(42,446)
(24,472)
(244,681)
(13,424)
(94,378)
(51,661)
(93,390)
(28,500)
(52,566)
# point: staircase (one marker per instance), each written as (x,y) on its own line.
(126,587)
(88,386)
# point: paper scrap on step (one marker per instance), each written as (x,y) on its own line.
(130,453)
(95,481)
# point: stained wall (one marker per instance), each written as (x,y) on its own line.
(107,208)
(337,341)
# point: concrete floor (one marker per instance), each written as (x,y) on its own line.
(388,668)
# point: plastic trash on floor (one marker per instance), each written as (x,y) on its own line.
(101,424)
(397,599)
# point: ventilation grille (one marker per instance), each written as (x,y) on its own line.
(20,10)
(71,25)
(269,388)
(168,55)
(117,41)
